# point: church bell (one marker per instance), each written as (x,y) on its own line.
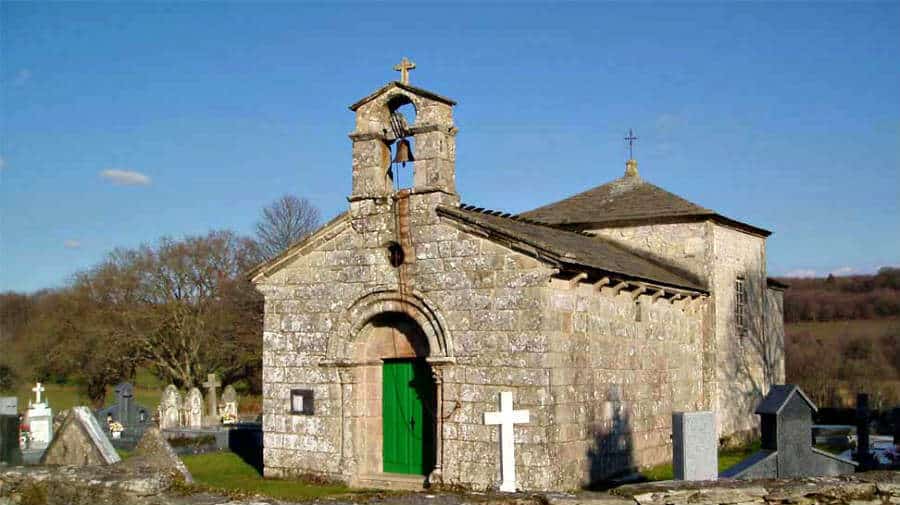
(403,152)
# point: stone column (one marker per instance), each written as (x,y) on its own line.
(437,475)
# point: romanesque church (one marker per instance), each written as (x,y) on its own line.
(393,329)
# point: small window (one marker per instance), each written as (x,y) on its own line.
(740,307)
(302,402)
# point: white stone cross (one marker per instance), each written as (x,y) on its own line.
(506,418)
(38,389)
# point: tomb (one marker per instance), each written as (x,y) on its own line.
(787,450)
(80,441)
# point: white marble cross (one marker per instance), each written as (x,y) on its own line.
(38,389)
(506,418)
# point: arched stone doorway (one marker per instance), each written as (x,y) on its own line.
(396,399)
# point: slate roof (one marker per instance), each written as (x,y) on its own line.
(627,200)
(779,396)
(569,248)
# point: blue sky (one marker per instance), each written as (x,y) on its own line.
(122,122)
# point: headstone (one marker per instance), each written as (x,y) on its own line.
(507,418)
(694,446)
(131,415)
(211,384)
(229,403)
(80,441)
(896,417)
(10,452)
(786,448)
(154,451)
(863,448)
(194,408)
(39,418)
(170,408)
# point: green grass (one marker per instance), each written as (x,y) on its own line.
(226,471)
(727,459)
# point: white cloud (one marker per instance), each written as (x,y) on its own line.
(844,271)
(801,272)
(22,77)
(72,244)
(125,177)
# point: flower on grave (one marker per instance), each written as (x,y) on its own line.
(229,418)
(116,426)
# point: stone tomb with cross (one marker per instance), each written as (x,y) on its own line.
(135,418)
(39,418)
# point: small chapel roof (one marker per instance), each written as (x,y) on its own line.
(628,200)
(573,248)
(778,398)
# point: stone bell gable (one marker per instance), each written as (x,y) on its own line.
(394,328)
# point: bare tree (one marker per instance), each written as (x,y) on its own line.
(283,223)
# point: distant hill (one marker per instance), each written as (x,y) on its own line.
(842,337)
(843,298)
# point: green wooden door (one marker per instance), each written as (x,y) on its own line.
(408,421)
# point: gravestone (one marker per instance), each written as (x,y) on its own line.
(786,449)
(506,418)
(153,450)
(194,409)
(134,417)
(170,408)
(694,446)
(213,412)
(896,416)
(863,448)
(229,402)
(39,418)
(10,452)
(80,441)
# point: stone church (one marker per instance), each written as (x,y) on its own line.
(392,330)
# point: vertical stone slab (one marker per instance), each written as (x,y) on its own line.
(10,453)
(170,408)
(194,408)
(694,447)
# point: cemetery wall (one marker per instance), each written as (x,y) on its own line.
(620,367)
(488,300)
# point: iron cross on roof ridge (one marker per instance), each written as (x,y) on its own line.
(404,67)
(629,139)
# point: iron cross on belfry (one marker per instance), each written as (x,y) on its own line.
(630,140)
(404,67)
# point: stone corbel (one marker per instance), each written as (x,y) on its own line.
(574,281)
(638,292)
(619,287)
(599,284)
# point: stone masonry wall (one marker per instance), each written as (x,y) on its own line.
(684,245)
(742,378)
(737,371)
(489,298)
(622,368)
